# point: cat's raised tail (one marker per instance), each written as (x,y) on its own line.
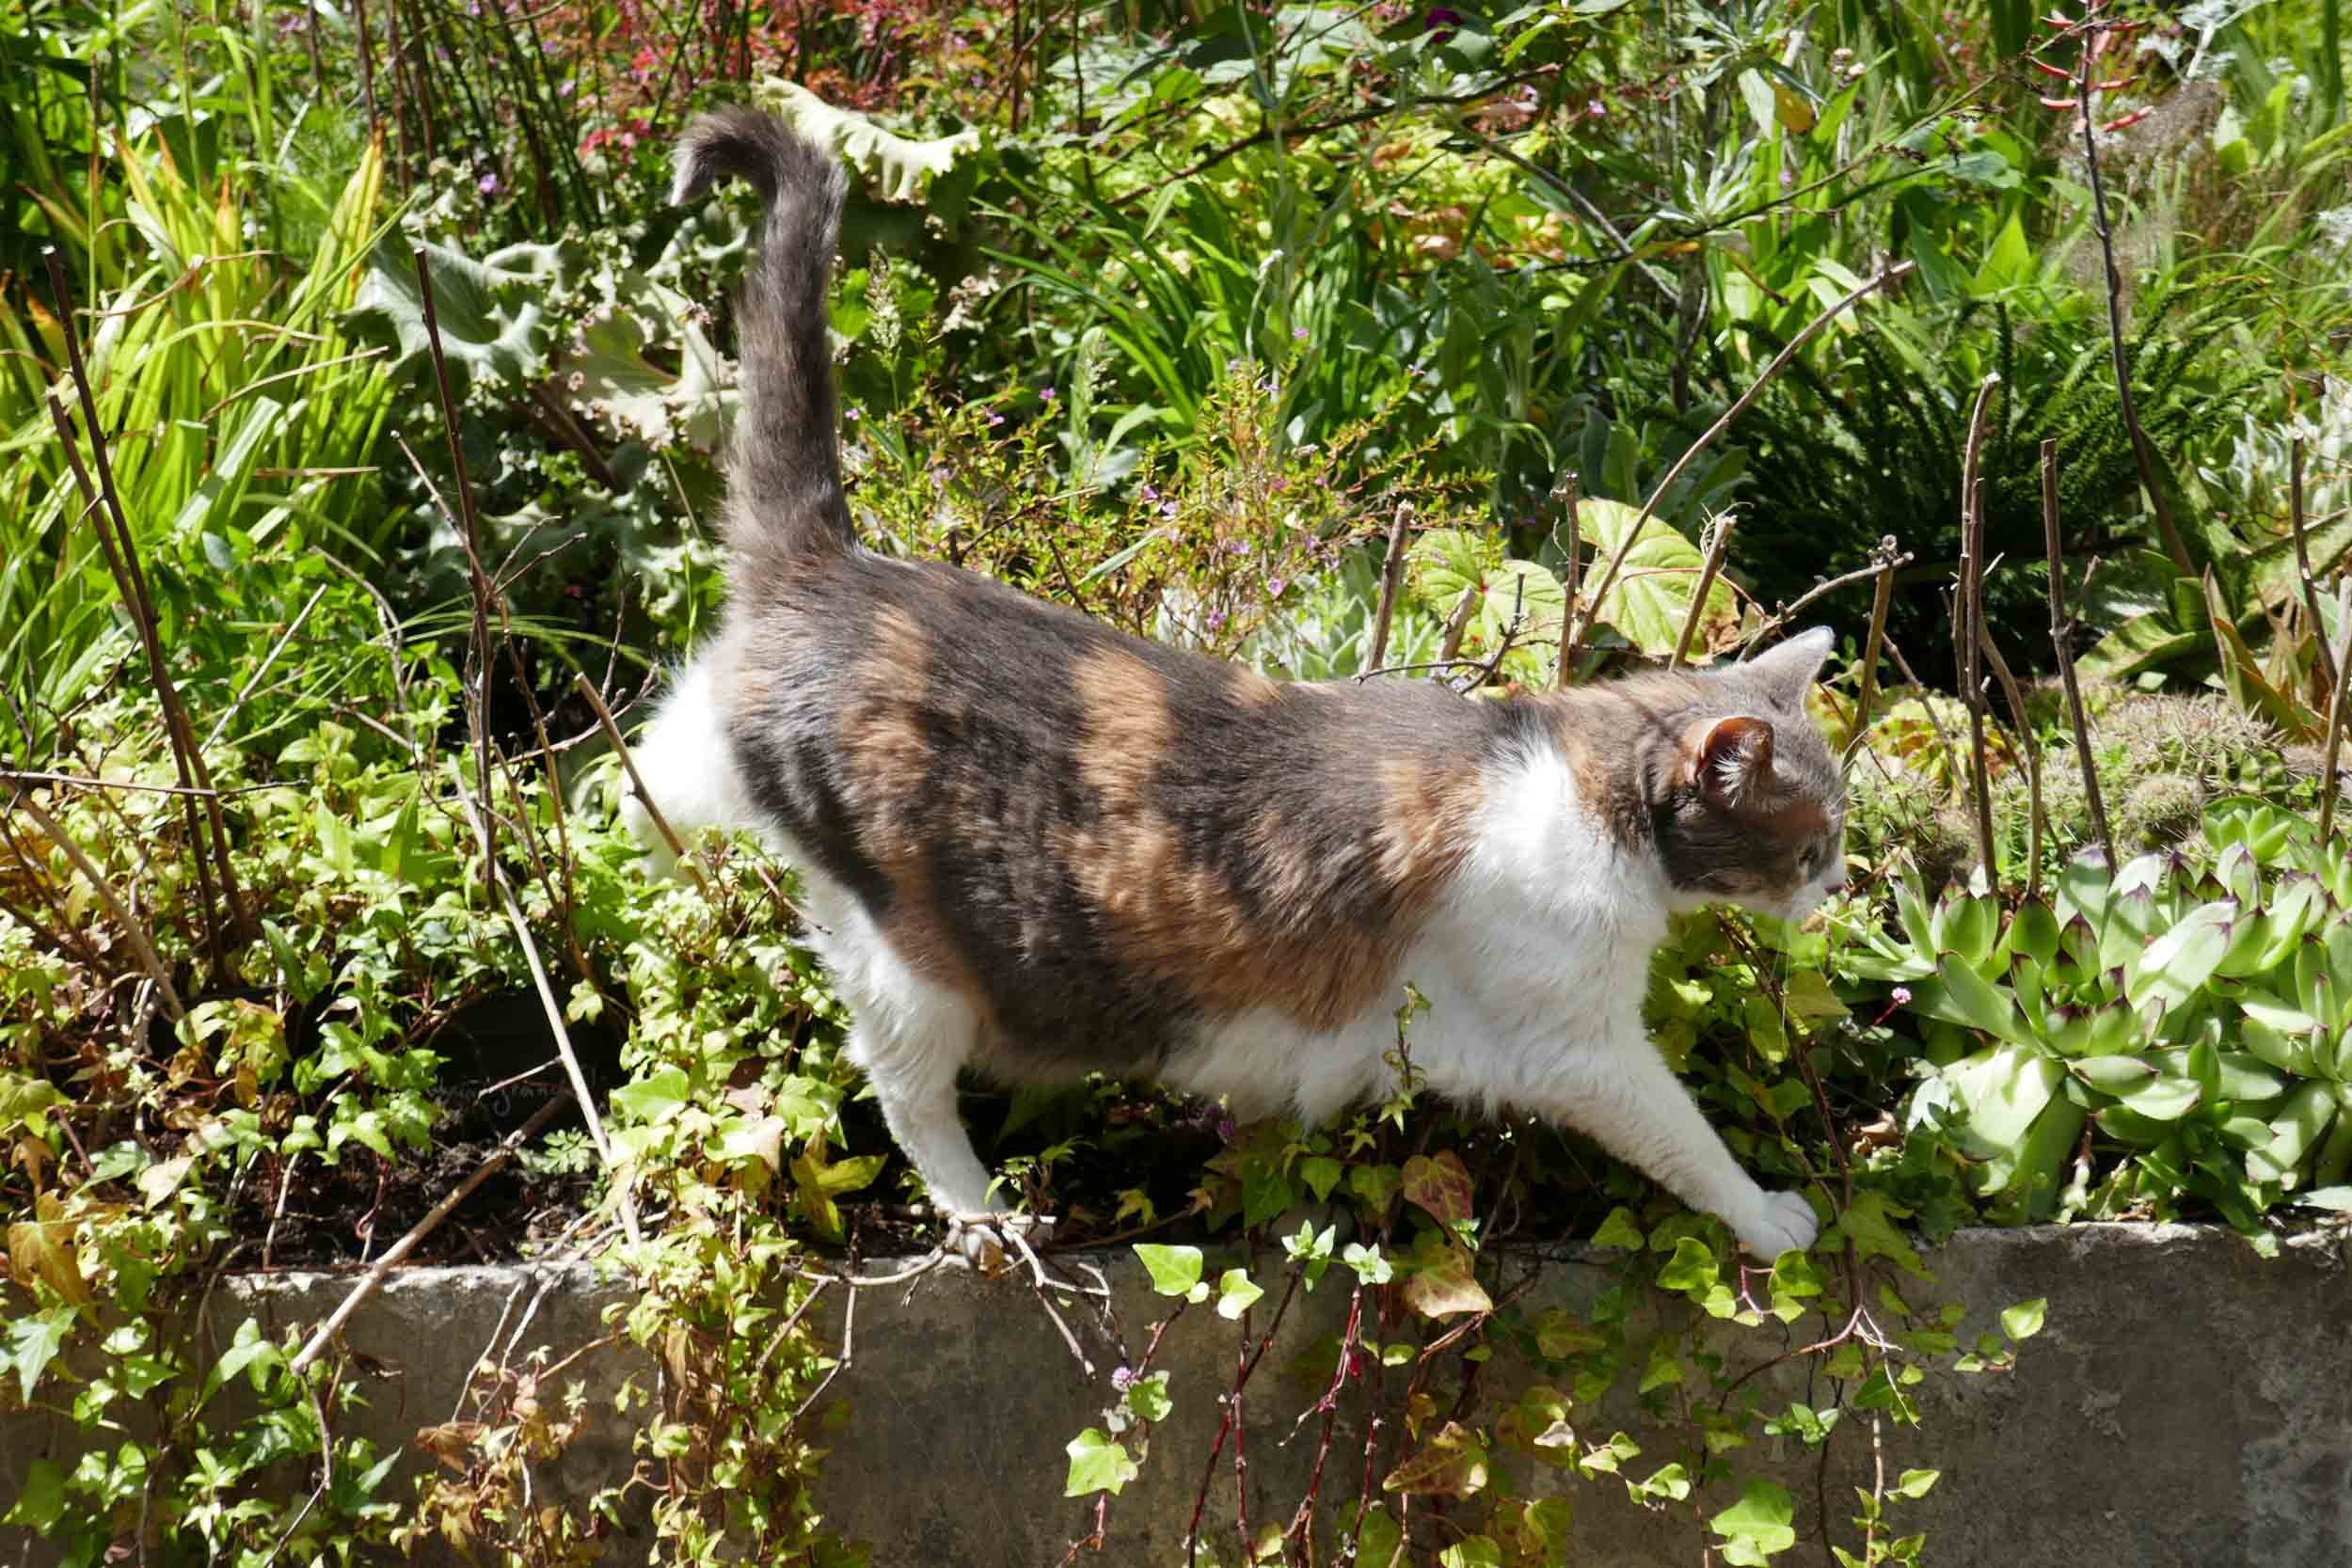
(784,497)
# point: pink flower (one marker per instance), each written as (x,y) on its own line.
(1902,996)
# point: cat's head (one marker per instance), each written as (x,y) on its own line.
(1748,802)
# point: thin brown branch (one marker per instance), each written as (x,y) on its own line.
(1884,571)
(469,530)
(137,934)
(2061,642)
(1565,495)
(1968,622)
(1880,601)
(1813,329)
(1725,526)
(122,559)
(2143,453)
(373,1280)
(1391,577)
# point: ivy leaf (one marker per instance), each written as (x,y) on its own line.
(26,1101)
(1174,1270)
(1452,1465)
(1235,1292)
(41,1503)
(34,1340)
(1321,1173)
(1440,1184)
(1471,1551)
(1149,1399)
(1917,1483)
(1693,1267)
(42,1248)
(1758,1526)
(653,1099)
(1097,1464)
(819,1183)
(2024,1320)
(1618,1230)
(1808,996)
(1441,1284)
(1869,1222)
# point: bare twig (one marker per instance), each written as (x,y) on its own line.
(122,558)
(470,532)
(133,931)
(1880,601)
(2335,711)
(1564,497)
(2016,698)
(2143,454)
(1624,547)
(373,1280)
(563,1048)
(2303,560)
(1510,633)
(1725,526)
(1787,612)
(1968,621)
(2061,642)
(1391,575)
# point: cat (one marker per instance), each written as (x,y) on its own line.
(1035,846)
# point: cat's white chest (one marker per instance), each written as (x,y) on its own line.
(1532,967)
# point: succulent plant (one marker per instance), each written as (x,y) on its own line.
(2191,1011)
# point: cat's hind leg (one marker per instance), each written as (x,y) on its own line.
(912,1034)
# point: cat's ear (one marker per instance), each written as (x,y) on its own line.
(1789,668)
(1730,758)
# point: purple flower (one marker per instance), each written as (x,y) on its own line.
(1147,492)
(1299,332)
(1902,996)
(487,184)
(1047,394)
(995,419)
(1275,586)
(1122,1377)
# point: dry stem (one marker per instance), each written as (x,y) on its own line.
(375,1278)
(2061,635)
(1725,526)
(1580,625)
(1968,620)
(140,947)
(1391,575)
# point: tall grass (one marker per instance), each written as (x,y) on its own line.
(242,420)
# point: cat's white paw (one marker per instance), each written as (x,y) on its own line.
(1778,1223)
(982,1239)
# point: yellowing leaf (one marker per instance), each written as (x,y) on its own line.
(1651,596)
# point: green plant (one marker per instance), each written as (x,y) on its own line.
(2180,1010)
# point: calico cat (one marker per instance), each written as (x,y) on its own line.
(1037,846)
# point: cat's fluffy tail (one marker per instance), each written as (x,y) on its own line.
(785,493)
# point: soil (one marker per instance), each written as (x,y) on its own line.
(501,1069)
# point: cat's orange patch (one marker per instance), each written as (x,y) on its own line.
(1179,921)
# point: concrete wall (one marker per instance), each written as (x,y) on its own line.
(2188,1403)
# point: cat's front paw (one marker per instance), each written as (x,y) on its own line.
(983,1239)
(1778,1223)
